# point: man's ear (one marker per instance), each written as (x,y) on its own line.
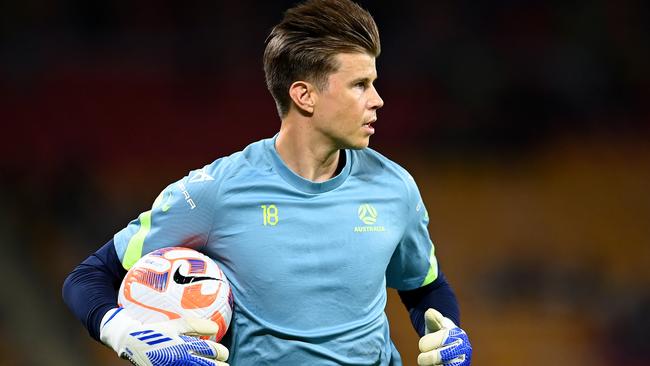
(304,96)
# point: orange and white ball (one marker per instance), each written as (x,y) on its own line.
(176,282)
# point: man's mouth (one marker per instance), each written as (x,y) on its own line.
(368,126)
(370,122)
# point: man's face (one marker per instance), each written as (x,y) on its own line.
(347,107)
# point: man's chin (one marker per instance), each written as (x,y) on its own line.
(358,143)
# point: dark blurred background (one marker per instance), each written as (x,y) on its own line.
(525,124)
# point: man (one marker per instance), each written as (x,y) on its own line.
(310,226)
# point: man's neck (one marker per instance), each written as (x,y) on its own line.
(305,154)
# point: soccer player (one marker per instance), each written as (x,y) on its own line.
(310,226)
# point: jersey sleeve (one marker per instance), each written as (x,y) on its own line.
(90,290)
(413,263)
(181,215)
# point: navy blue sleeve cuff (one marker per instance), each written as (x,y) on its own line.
(90,290)
(437,295)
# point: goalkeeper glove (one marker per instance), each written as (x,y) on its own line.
(166,343)
(443,343)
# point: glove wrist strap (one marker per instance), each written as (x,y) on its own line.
(114,327)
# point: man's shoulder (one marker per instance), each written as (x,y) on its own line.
(373,161)
(251,156)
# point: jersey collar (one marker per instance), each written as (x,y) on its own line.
(301,183)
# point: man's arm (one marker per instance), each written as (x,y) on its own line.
(90,290)
(437,295)
(434,312)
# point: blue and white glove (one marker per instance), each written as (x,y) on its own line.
(443,343)
(165,343)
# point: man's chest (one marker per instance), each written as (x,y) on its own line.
(301,233)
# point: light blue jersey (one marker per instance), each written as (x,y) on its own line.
(308,262)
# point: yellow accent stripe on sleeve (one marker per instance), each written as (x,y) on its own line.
(134,248)
(433,269)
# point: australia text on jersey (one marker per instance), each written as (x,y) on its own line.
(368,215)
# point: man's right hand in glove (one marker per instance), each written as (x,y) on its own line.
(171,342)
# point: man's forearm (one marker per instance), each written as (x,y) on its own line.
(437,295)
(90,290)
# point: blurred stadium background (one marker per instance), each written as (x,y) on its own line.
(526,125)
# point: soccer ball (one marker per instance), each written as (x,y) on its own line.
(176,282)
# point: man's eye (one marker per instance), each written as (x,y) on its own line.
(360,84)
